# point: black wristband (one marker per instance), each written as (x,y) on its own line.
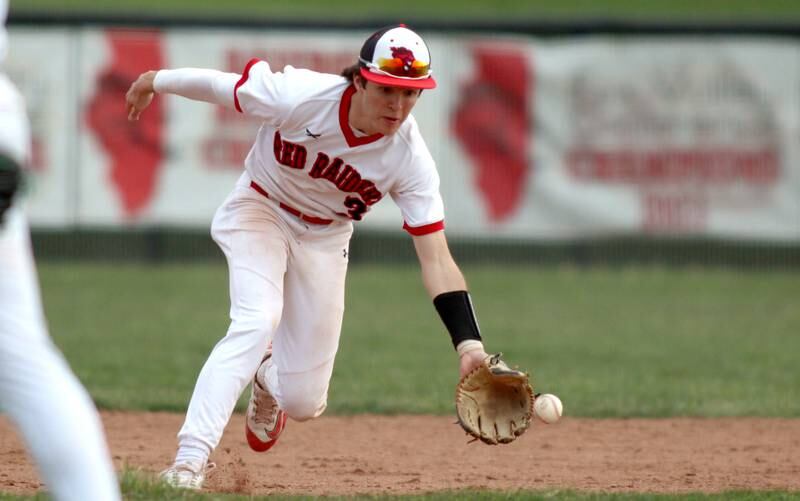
(455,310)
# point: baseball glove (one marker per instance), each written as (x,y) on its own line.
(494,403)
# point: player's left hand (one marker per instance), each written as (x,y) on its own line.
(140,95)
(470,360)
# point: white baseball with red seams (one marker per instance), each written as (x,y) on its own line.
(548,408)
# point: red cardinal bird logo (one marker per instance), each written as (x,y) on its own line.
(404,55)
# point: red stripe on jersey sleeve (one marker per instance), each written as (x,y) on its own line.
(424,230)
(245,76)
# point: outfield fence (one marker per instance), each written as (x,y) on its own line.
(584,142)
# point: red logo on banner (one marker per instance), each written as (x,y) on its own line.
(134,148)
(491,122)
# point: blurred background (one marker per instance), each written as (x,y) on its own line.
(563,131)
(621,182)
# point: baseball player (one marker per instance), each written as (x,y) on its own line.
(38,391)
(329,148)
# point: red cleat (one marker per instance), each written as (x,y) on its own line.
(264,421)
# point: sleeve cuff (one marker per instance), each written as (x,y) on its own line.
(157,80)
(425,229)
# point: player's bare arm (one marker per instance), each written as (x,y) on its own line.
(439,271)
(446,286)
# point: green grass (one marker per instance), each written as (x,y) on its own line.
(426,10)
(137,486)
(631,342)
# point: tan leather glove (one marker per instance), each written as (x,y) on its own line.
(494,403)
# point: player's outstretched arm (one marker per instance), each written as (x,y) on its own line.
(199,84)
(446,286)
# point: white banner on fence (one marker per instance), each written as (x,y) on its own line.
(669,136)
(533,139)
(42,64)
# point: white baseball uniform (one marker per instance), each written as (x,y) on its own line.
(38,391)
(285,231)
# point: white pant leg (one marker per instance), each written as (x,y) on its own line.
(38,390)
(307,338)
(255,243)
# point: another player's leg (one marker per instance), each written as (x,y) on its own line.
(254,243)
(38,390)
(294,380)
(14,142)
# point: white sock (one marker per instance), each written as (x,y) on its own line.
(192,453)
(261,373)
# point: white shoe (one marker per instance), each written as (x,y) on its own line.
(186,475)
(264,421)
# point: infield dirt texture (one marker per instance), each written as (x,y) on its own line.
(417,454)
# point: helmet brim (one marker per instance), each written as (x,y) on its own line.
(380,79)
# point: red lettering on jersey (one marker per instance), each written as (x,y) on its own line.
(277,146)
(319,165)
(349,179)
(289,154)
(346,178)
(286,153)
(369,192)
(332,172)
(299,160)
(357,208)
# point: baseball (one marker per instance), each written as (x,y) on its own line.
(548,408)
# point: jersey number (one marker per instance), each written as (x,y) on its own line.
(357,208)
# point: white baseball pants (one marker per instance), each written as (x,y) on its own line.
(38,391)
(287,282)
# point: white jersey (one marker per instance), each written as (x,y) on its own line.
(307,156)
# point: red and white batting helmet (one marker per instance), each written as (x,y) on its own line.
(397,56)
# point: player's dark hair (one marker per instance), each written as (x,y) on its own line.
(351,71)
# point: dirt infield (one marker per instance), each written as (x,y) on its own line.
(414,454)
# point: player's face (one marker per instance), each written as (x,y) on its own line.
(386,107)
